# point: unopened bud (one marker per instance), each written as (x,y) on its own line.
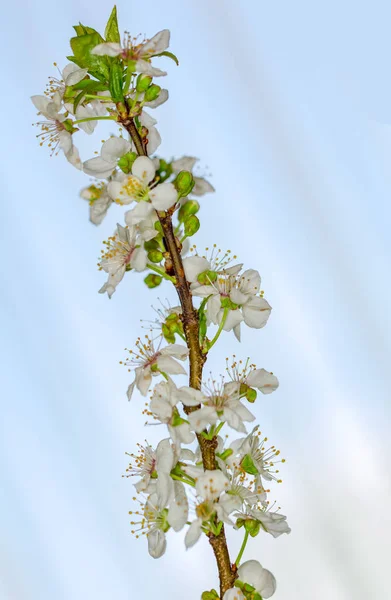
(184,183)
(151,244)
(143,82)
(207,277)
(155,256)
(168,335)
(152,93)
(191,207)
(212,595)
(126,161)
(153,280)
(192,225)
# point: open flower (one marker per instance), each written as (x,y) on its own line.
(139,54)
(102,166)
(123,253)
(272,522)
(234,296)
(99,201)
(164,407)
(253,457)
(221,402)
(261,579)
(209,486)
(56,130)
(248,376)
(148,361)
(139,187)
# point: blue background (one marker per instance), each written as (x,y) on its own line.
(288,107)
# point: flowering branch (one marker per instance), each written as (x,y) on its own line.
(221,484)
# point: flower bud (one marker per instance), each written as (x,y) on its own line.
(168,335)
(151,244)
(184,183)
(212,595)
(126,161)
(152,93)
(155,256)
(153,280)
(192,225)
(191,207)
(143,82)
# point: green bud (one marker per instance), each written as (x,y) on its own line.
(207,277)
(168,335)
(248,465)
(191,225)
(153,280)
(151,244)
(158,227)
(184,183)
(143,82)
(191,207)
(212,595)
(155,256)
(126,161)
(152,93)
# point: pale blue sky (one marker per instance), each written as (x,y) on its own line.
(288,106)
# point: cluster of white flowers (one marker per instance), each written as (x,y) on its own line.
(177,487)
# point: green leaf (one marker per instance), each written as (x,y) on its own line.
(112,31)
(78,99)
(170,55)
(89,85)
(97,66)
(83,30)
(116,82)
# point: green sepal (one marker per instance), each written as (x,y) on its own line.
(248,588)
(177,419)
(112,32)
(170,55)
(252,526)
(167,334)
(227,303)
(116,82)
(153,280)
(191,225)
(248,392)
(126,161)
(207,277)
(248,465)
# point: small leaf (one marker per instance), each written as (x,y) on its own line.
(170,55)
(112,32)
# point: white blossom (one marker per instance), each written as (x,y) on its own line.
(261,579)
(272,522)
(139,187)
(57,130)
(233,594)
(252,456)
(123,252)
(221,402)
(148,361)
(103,166)
(164,407)
(141,54)
(248,375)
(99,201)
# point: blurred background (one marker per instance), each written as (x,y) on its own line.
(287,105)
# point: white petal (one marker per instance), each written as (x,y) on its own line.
(130,389)
(186,163)
(211,484)
(73,157)
(99,168)
(107,49)
(164,488)
(143,380)
(161,99)
(156,541)
(203,291)
(194,266)
(114,148)
(250,282)
(189,396)
(136,215)
(253,573)
(142,66)
(72,74)
(234,317)
(41,103)
(138,262)
(144,169)
(163,196)
(157,44)
(201,187)
(181,434)
(154,140)
(193,534)
(169,365)
(233,594)
(263,380)
(86,112)
(237,296)
(176,350)
(256,312)
(179,507)
(201,418)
